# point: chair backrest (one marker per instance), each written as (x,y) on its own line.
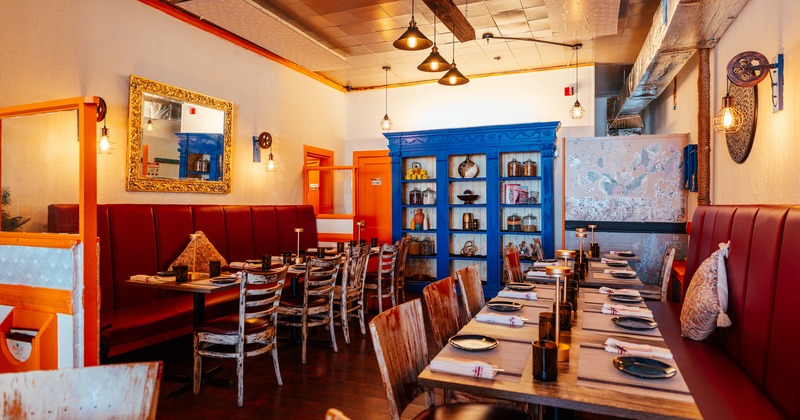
(513,266)
(109,391)
(402,256)
(260,295)
(666,269)
(320,278)
(387,261)
(398,336)
(355,268)
(469,280)
(442,305)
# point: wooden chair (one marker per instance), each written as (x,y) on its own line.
(315,306)
(398,336)
(512,265)
(336,414)
(400,269)
(349,295)
(382,283)
(442,305)
(253,331)
(110,391)
(659,291)
(469,280)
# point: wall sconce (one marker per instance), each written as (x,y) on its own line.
(104,145)
(264,141)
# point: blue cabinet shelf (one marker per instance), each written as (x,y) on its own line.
(491,148)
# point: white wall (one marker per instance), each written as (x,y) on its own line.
(768,174)
(74,48)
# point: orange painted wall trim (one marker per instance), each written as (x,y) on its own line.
(36,298)
(334,237)
(236,40)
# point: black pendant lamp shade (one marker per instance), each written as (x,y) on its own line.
(453,77)
(412,39)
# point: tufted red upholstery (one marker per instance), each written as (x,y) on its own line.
(145,238)
(751,369)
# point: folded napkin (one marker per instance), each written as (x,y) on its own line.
(537,274)
(643,350)
(464,367)
(513,294)
(612,271)
(611,260)
(544,263)
(151,279)
(626,251)
(244,265)
(626,310)
(512,320)
(619,292)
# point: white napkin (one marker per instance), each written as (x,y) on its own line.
(517,295)
(623,310)
(244,265)
(464,367)
(619,292)
(611,260)
(544,263)
(512,320)
(536,274)
(626,251)
(612,271)
(643,350)
(151,279)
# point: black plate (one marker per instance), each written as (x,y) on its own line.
(617,264)
(299,266)
(223,280)
(626,254)
(624,275)
(472,342)
(626,299)
(524,287)
(504,306)
(644,367)
(634,322)
(166,273)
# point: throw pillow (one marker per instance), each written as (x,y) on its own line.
(707,298)
(198,253)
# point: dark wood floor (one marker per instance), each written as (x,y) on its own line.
(348,380)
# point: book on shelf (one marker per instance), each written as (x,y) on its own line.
(508,193)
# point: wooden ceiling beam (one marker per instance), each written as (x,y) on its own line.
(447,12)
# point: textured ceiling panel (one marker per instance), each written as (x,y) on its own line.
(261,27)
(581,19)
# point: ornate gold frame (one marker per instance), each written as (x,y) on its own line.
(136,182)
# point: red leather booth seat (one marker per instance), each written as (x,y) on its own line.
(146,238)
(751,369)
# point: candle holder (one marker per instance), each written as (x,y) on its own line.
(560,273)
(298,259)
(594,247)
(566,254)
(581,263)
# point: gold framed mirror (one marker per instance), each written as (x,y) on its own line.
(178,140)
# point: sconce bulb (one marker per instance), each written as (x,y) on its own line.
(149,125)
(727,118)
(271,166)
(577,111)
(105,144)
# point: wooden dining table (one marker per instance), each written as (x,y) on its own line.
(587,382)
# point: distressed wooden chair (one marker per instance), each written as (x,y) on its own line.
(513,267)
(441,302)
(253,331)
(334,413)
(110,391)
(398,336)
(469,280)
(659,291)
(382,283)
(400,269)
(315,307)
(349,295)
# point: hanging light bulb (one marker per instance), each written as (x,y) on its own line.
(435,62)
(728,119)
(453,77)
(271,166)
(149,124)
(577,111)
(105,144)
(386,123)
(412,39)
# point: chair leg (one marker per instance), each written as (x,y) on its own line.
(305,335)
(361,317)
(333,331)
(198,367)
(240,376)
(345,322)
(275,361)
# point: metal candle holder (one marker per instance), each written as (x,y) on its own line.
(580,233)
(559,272)
(360,225)
(592,227)
(297,258)
(566,254)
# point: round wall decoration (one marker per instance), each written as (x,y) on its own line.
(745,99)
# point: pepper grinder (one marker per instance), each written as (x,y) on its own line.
(560,273)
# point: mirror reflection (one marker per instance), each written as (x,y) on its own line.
(40,166)
(179,140)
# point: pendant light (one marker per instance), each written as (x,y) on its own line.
(149,124)
(728,119)
(435,62)
(105,143)
(453,77)
(577,111)
(386,123)
(412,39)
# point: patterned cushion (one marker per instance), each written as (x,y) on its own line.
(706,298)
(201,251)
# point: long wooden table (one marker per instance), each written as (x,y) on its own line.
(587,382)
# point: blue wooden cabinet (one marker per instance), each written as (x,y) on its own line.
(439,154)
(200,146)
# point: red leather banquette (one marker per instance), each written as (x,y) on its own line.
(146,238)
(751,369)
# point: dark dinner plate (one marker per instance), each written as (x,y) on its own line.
(521,286)
(617,264)
(626,298)
(299,266)
(504,306)
(472,342)
(626,254)
(621,275)
(644,367)
(634,322)
(223,279)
